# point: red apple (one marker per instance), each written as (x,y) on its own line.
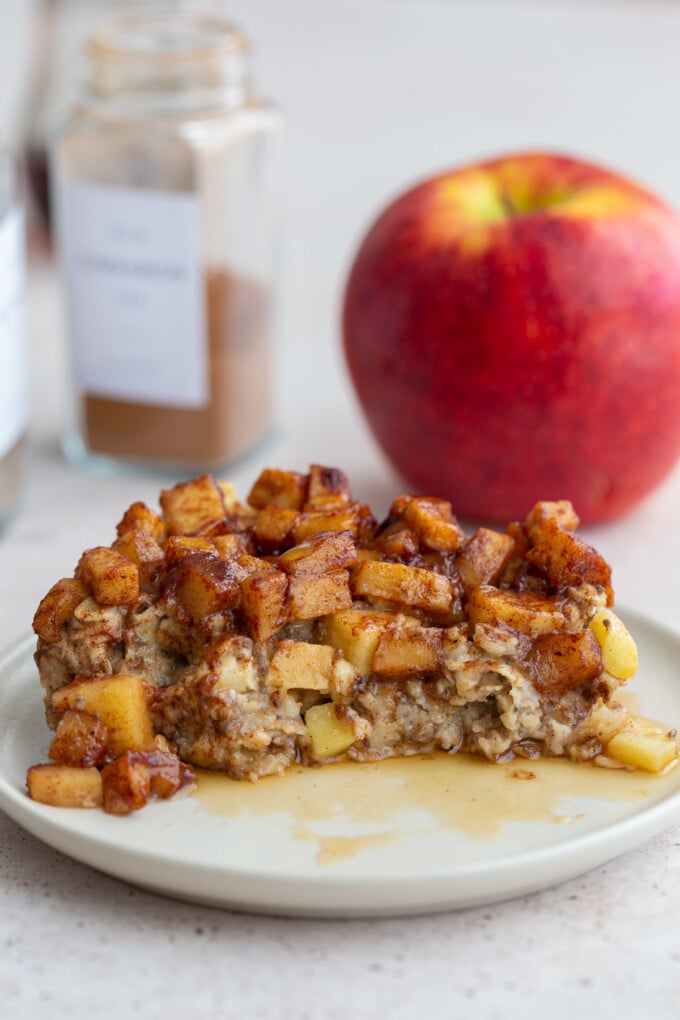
(513,333)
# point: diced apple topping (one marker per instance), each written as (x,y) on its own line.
(81,739)
(643,745)
(314,595)
(273,528)
(65,786)
(524,611)
(301,665)
(192,507)
(57,607)
(203,584)
(482,558)
(278,488)
(558,662)
(320,553)
(564,558)
(111,578)
(142,549)
(263,603)
(408,652)
(619,651)
(329,734)
(119,701)
(356,633)
(328,488)
(433,522)
(409,586)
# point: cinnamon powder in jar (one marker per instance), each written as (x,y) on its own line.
(167,193)
(238,413)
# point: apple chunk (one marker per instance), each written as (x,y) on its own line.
(377,580)
(643,745)
(619,651)
(329,735)
(356,633)
(301,665)
(65,785)
(119,701)
(56,607)
(111,577)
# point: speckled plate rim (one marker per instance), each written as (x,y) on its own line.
(181,850)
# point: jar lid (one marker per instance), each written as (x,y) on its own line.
(168,62)
(166,37)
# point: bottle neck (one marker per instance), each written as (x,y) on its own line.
(167,64)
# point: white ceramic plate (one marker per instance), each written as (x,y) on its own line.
(359,839)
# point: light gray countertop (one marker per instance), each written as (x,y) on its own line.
(377,94)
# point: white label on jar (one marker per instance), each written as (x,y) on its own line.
(13,358)
(135,294)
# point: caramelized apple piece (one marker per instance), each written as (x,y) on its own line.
(328,488)
(167,773)
(142,549)
(404,585)
(192,507)
(80,739)
(251,565)
(273,528)
(112,579)
(558,662)
(355,518)
(178,547)
(397,542)
(126,784)
(408,652)
(482,558)
(120,703)
(567,560)
(57,607)
(284,488)
(433,522)
(356,633)
(329,550)
(203,584)
(65,786)
(312,595)
(524,611)
(263,602)
(561,511)
(139,516)
(301,665)
(232,545)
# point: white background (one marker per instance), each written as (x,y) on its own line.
(377,94)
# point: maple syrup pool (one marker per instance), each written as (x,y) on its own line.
(379,802)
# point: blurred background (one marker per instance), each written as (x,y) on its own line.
(376,95)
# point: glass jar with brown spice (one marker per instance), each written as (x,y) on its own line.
(166,191)
(14,382)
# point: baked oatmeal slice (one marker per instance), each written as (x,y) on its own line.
(293,627)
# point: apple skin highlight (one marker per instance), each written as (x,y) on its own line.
(512,331)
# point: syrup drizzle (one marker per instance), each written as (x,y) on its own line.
(382,802)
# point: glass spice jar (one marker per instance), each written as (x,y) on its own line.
(13,352)
(166,191)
